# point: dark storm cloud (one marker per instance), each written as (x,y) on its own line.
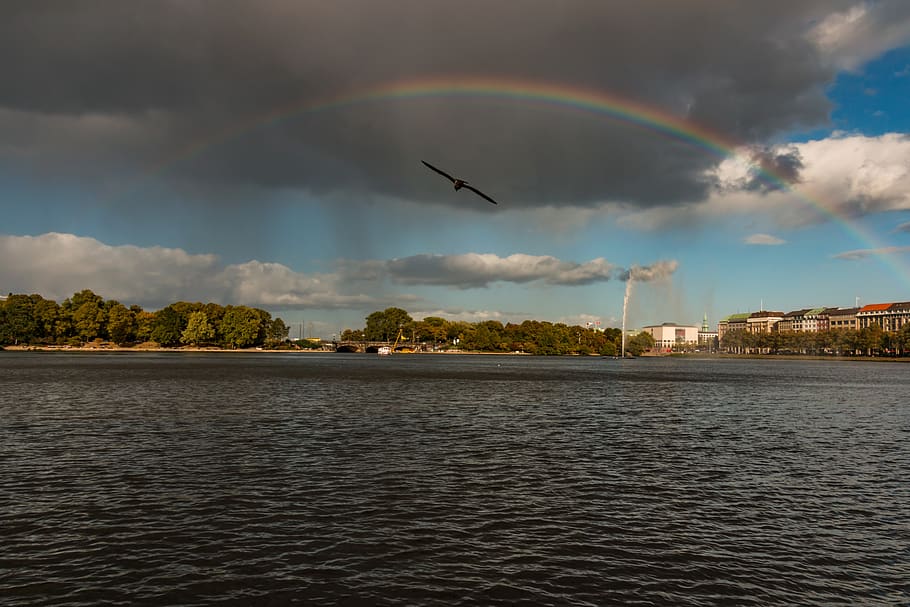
(477,270)
(175,74)
(772,165)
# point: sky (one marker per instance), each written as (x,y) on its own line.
(726,156)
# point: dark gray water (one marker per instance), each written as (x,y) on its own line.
(177,479)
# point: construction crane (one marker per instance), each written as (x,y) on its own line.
(400,339)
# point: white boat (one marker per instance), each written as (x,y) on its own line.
(384,351)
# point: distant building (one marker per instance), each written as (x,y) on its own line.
(842,318)
(810,320)
(763,322)
(734,322)
(595,325)
(670,334)
(706,337)
(889,316)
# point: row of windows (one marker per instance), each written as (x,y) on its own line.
(888,323)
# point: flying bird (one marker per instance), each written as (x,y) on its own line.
(459,183)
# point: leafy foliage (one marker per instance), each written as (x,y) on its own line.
(240,326)
(531,336)
(168,326)
(198,329)
(384,326)
(869,341)
(87,317)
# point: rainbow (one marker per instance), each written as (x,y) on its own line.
(558,96)
(529,92)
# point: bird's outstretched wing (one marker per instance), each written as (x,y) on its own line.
(479,193)
(443,173)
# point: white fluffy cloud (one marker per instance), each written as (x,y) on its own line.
(862,32)
(857,175)
(842,176)
(57,265)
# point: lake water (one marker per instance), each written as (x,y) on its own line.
(322,479)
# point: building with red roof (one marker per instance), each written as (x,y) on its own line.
(889,316)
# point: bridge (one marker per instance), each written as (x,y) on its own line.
(370,347)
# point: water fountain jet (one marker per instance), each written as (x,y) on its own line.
(625,306)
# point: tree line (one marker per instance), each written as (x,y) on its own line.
(86,317)
(530,336)
(869,341)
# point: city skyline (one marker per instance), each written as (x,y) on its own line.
(750,157)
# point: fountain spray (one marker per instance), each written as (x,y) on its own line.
(625,306)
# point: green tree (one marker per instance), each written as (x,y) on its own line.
(870,339)
(121,324)
(185,308)
(240,326)
(902,340)
(47,315)
(546,340)
(145,323)
(198,329)
(19,326)
(83,297)
(88,320)
(215,312)
(375,327)
(734,341)
(265,325)
(85,311)
(457,330)
(640,343)
(431,329)
(484,337)
(352,335)
(384,326)
(851,341)
(277,331)
(824,342)
(168,326)
(608,348)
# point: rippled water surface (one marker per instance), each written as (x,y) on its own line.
(153,479)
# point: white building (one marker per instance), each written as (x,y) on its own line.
(670,334)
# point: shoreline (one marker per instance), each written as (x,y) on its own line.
(137,349)
(192,349)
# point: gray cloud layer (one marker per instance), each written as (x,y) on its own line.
(108,88)
(473,270)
